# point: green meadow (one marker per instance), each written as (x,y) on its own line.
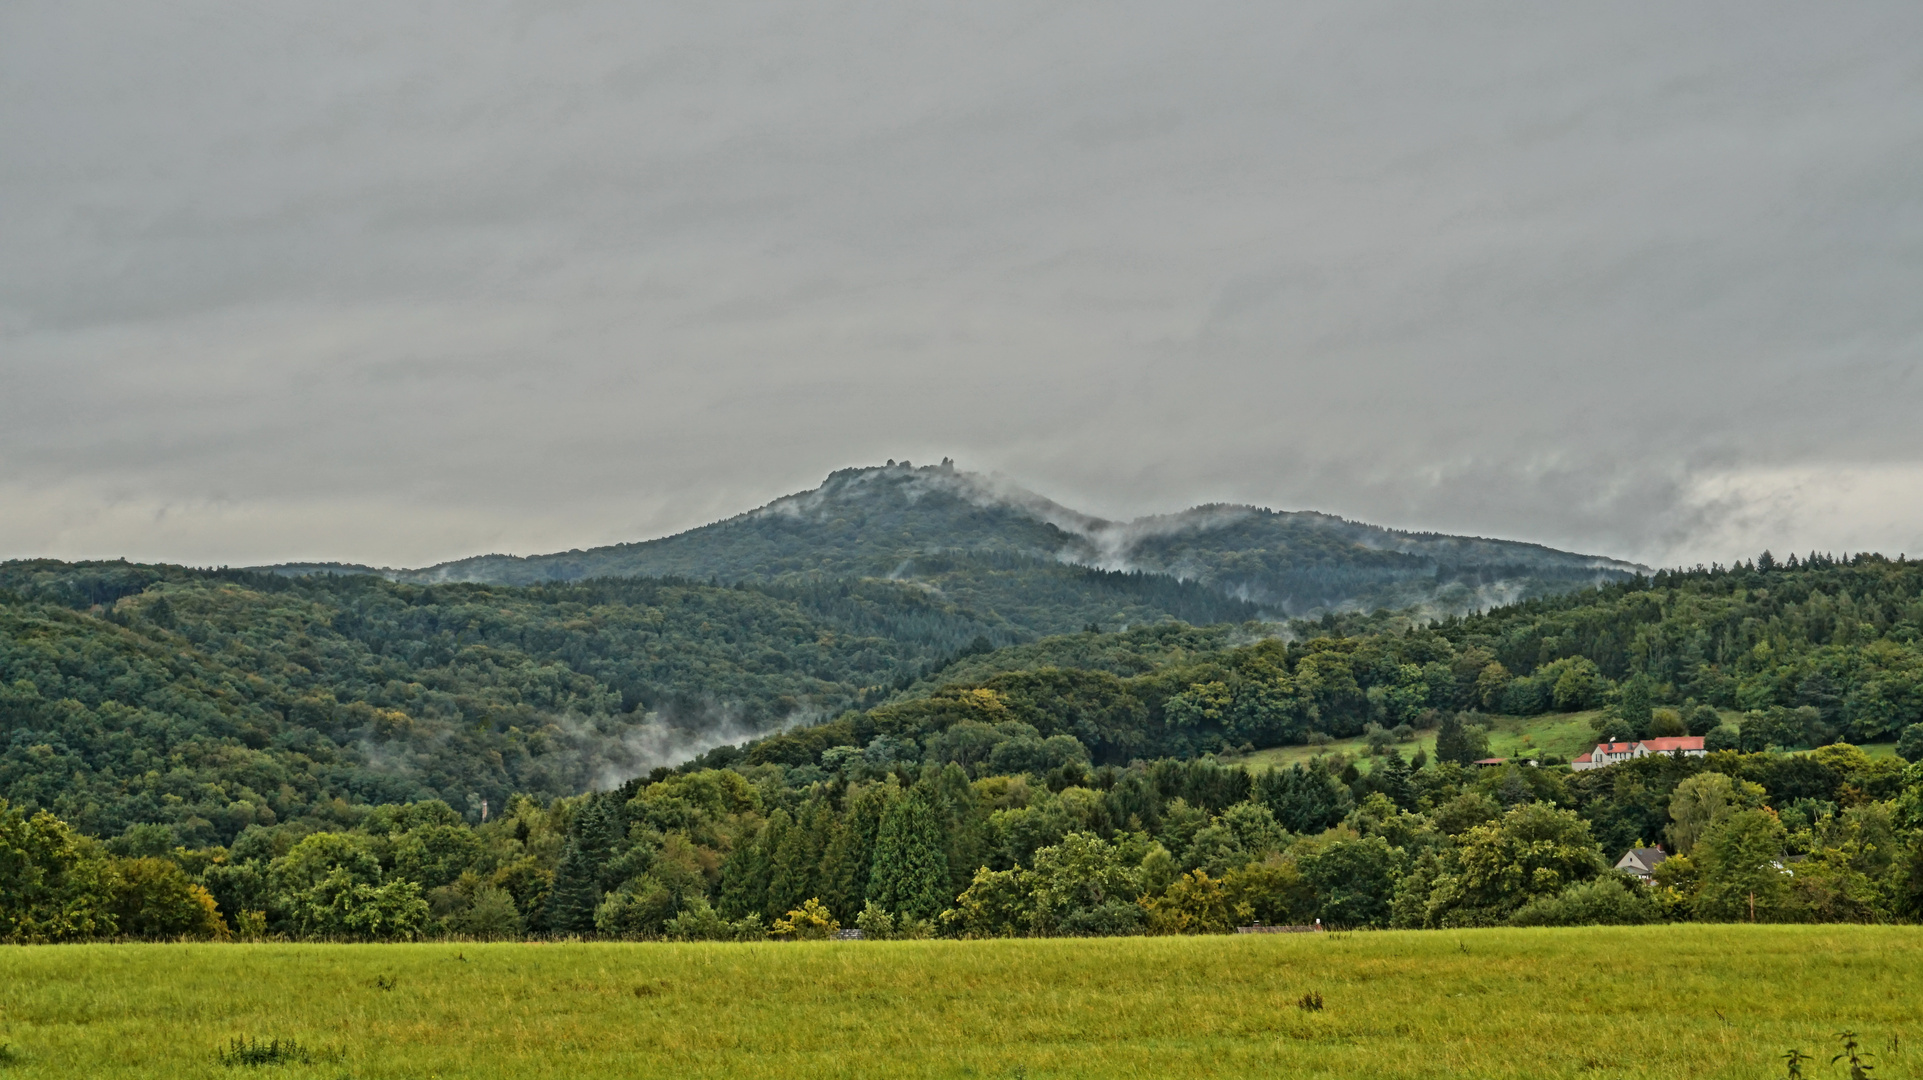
(1562,734)
(1658,1001)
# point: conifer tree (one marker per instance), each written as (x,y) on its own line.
(851,850)
(1302,800)
(910,873)
(1393,780)
(795,860)
(1634,707)
(744,876)
(577,881)
(1455,742)
(965,826)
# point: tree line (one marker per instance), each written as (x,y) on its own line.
(918,848)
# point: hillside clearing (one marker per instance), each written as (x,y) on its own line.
(1563,735)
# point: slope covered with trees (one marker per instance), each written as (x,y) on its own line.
(212,700)
(1055,787)
(993,547)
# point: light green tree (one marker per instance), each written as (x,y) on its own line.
(55,885)
(1532,852)
(1704,800)
(1743,879)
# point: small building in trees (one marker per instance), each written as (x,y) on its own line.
(1642,862)
(1609,753)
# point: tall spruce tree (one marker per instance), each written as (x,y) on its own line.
(1393,780)
(744,875)
(965,824)
(578,885)
(850,853)
(910,874)
(1455,742)
(795,862)
(1634,706)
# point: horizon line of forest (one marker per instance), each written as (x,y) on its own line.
(1058,786)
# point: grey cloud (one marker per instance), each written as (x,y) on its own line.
(397,284)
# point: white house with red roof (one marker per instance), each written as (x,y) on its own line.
(1609,753)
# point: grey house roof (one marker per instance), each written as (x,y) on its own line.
(1641,860)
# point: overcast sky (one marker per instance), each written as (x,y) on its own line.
(396,283)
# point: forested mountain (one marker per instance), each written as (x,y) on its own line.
(1061,786)
(210,700)
(1014,555)
(1810,653)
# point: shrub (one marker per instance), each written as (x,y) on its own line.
(875,922)
(699,921)
(246,1051)
(1664,722)
(489,916)
(642,906)
(809,922)
(1607,901)
(998,903)
(1194,904)
(1378,738)
(1723,737)
(154,899)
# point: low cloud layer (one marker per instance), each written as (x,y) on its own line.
(399,284)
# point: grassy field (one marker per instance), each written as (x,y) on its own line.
(1672,1001)
(1562,734)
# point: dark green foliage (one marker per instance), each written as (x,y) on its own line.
(1460,741)
(744,878)
(794,867)
(910,874)
(1910,746)
(1302,800)
(579,880)
(1354,881)
(850,851)
(1606,901)
(254,699)
(277,743)
(1634,707)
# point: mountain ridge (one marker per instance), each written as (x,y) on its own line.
(899,522)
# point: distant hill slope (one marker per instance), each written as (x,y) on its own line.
(214,699)
(1011,555)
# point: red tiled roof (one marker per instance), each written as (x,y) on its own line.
(1669,743)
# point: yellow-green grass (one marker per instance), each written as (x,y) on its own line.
(1668,1001)
(1562,734)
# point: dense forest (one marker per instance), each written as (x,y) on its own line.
(993,547)
(201,754)
(211,700)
